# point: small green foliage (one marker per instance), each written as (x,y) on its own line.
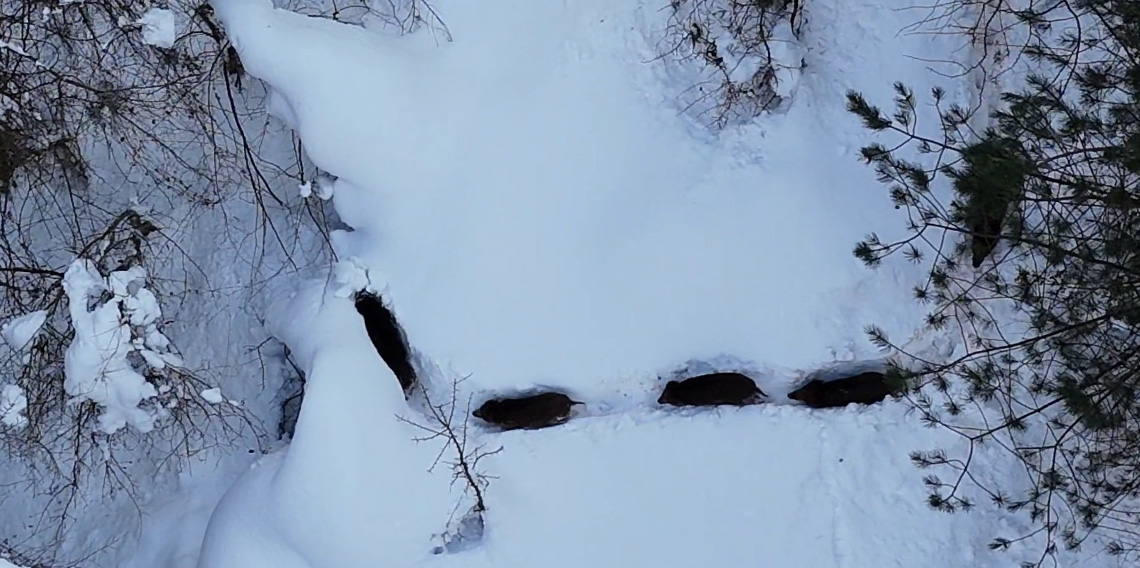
(872,116)
(999,544)
(870,250)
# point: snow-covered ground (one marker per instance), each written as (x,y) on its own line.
(541,210)
(534,182)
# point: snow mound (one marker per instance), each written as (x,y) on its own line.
(212,396)
(353,488)
(114,317)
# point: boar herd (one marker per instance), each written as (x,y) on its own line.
(715,389)
(547,409)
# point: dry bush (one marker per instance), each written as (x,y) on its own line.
(743,45)
(117,151)
(160,157)
(449,422)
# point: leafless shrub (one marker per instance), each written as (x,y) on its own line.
(445,425)
(111,149)
(400,16)
(12,555)
(452,430)
(742,45)
(60,443)
(990,26)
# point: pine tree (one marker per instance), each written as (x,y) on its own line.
(1046,205)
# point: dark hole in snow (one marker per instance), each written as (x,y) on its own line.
(387,337)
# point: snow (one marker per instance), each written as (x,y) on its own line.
(777,486)
(142,308)
(19,332)
(321,186)
(324,188)
(6,564)
(158,27)
(13,401)
(787,59)
(14,48)
(350,275)
(95,363)
(796,487)
(212,396)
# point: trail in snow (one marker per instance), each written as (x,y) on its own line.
(640,394)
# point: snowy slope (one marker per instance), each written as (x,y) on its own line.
(540,210)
